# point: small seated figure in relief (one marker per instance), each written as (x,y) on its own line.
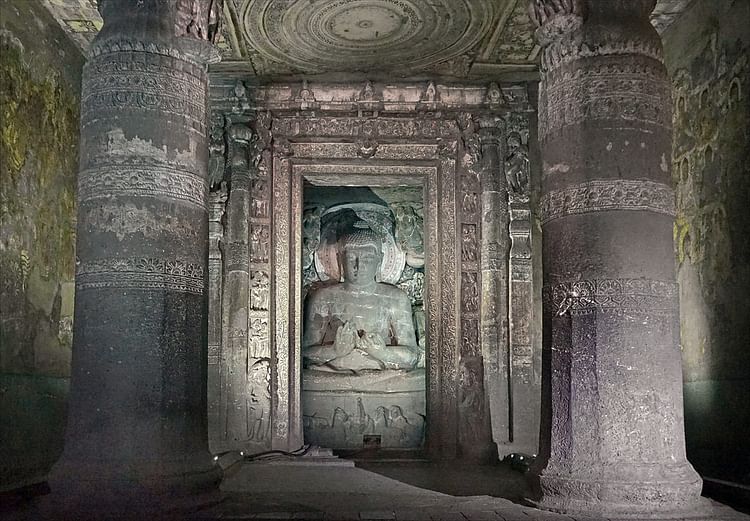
(359,324)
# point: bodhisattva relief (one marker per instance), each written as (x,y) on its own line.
(258,401)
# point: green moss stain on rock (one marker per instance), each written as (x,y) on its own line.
(38,158)
(38,165)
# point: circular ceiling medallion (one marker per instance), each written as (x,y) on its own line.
(317,35)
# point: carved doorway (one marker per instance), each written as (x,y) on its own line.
(451,150)
(334,164)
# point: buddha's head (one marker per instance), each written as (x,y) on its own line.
(360,255)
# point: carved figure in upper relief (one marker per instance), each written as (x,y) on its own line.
(359,324)
(310,234)
(430,93)
(469,243)
(200,19)
(259,291)
(367,93)
(259,243)
(517,165)
(409,234)
(494,95)
(261,195)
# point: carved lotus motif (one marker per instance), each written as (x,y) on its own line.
(364,34)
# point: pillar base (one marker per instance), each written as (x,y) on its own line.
(190,476)
(625,492)
(88,490)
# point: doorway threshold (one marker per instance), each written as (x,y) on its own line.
(377,455)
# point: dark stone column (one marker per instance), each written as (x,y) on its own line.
(137,413)
(612,440)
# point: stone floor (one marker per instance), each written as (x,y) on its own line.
(415,491)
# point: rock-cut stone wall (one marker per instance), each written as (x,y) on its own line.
(39,104)
(708,54)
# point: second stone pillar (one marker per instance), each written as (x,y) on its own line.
(613,437)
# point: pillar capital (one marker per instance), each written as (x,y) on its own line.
(556,18)
(492,144)
(569,30)
(181,28)
(491,130)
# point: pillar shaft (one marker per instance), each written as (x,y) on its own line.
(612,441)
(138,385)
(494,277)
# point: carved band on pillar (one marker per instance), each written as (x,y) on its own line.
(137,411)
(612,440)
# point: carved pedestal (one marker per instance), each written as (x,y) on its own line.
(340,410)
(138,396)
(612,435)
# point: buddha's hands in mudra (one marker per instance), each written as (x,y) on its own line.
(347,338)
(372,344)
(355,349)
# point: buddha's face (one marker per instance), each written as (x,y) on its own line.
(360,265)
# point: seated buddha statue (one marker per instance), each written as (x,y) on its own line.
(359,324)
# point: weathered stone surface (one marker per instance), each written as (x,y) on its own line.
(612,437)
(138,395)
(40,95)
(707,56)
(40,74)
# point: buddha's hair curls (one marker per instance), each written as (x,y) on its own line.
(361,237)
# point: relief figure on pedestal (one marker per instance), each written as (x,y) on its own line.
(359,323)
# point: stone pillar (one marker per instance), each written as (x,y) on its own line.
(137,414)
(216,211)
(612,439)
(494,275)
(524,368)
(236,298)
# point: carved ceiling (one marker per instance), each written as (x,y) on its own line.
(459,38)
